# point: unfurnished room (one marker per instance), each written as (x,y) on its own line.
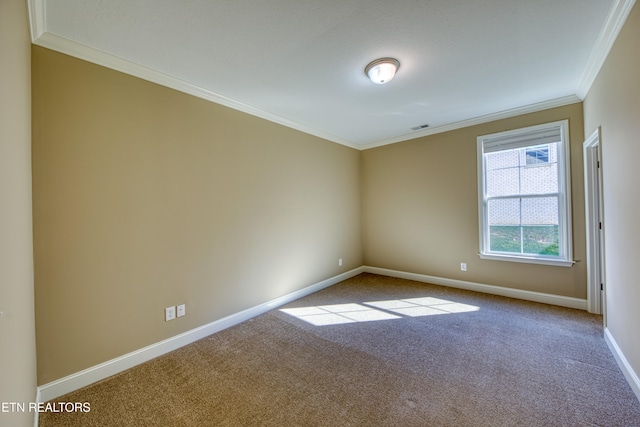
(319,213)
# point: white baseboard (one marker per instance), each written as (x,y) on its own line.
(104,370)
(99,372)
(36,414)
(577,303)
(625,367)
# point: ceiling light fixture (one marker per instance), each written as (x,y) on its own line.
(382,70)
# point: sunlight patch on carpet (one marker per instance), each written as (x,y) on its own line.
(338,313)
(427,306)
(335,314)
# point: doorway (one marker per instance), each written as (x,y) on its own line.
(596,286)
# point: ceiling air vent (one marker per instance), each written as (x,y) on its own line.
(419,127)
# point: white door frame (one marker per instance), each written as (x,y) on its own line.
(596,285)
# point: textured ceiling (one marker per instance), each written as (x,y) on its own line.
(300,63)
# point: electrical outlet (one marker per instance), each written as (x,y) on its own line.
(182,310)
(169,313)
(340,262)
(463,266)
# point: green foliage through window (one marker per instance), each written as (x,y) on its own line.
(525,240)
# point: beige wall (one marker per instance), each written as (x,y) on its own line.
(420,209)
(17,331)
(145,197)
(613,103)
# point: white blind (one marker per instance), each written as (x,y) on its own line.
(520,140)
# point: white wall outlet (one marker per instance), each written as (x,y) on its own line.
(463,266)
(340,262)
(169,313)
(182,310)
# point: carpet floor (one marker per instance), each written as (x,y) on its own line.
(377,351)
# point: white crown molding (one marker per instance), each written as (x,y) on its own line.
(37,23)
(96,56)
(532,108)
(39,35)
(111,367)
(614,23)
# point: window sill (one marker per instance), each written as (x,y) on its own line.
(528,260)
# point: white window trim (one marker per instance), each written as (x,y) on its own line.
(564,199)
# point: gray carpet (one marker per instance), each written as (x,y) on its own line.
(378,351)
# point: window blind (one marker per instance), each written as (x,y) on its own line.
(520,140)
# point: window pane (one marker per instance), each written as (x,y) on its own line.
(502,159)
(537,154)
(503,182)
(540,179)
(540,240)
(540,211)
(504,239)
(512,172)
(504,212)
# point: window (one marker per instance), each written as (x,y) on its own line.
(537,154)
(524,201)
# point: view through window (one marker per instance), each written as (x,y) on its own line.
(523,194)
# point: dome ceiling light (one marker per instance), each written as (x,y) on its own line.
(382,70)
